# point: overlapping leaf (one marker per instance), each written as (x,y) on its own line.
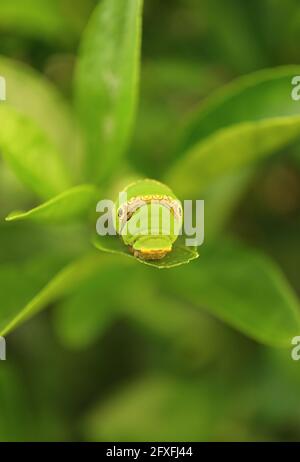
(244,123)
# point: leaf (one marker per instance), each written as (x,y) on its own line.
(70,205)
(38,99)
(243,288)
(39,284)
(106,82)
(180,254)
(30,154)
(245,122)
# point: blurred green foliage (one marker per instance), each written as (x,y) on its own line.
(124,351)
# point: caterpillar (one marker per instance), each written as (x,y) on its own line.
(148,219)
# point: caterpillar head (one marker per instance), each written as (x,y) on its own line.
(148,219)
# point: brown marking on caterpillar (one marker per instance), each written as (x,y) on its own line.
(126,211)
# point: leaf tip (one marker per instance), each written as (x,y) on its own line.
(13,216)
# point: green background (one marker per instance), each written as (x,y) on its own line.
(127,352)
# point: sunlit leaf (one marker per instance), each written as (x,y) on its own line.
(244,123)
(30,154)
(70,205)
(106,82)
(38,99)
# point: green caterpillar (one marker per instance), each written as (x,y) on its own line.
(148,219)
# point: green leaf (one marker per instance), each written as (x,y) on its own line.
(38,99)
(243,288)
(106,82)
(70,205)
(26,290)
(30,154)
(245,122)
(180,254)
